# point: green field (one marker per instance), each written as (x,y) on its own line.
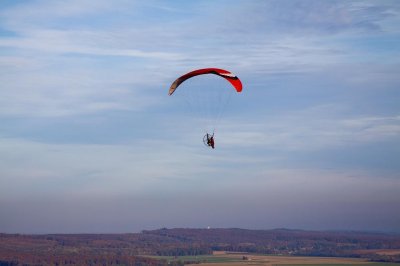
(200,258)
(330,264)
(258,259)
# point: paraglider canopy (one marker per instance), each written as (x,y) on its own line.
(210,99)
(232,78)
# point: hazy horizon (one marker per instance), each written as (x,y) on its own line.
(91,142)
(206,228)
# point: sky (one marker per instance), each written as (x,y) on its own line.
(90,141)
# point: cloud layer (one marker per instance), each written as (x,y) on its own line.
(87,127)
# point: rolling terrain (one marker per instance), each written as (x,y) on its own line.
(154,247)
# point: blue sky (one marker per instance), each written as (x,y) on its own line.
(90,141)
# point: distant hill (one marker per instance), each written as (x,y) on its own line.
(284,241)
(118,249)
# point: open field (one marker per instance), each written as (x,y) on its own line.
(379,251)
(226,259)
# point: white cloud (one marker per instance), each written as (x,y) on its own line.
(154,53)
(81,169)
(27,14)
(79,42)
(51,87)
(311,129)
